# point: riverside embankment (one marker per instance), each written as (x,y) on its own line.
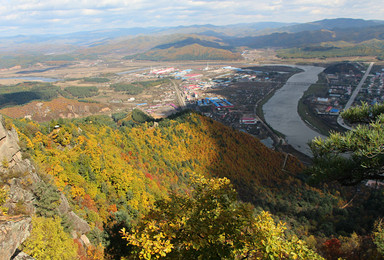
(280,112)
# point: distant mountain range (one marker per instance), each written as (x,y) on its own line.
(308,37)
(155,42)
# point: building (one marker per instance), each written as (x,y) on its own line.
(248,121)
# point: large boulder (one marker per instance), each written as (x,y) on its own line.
(13,231)
(9,146)
(79,225)
(20,255)
(18,176)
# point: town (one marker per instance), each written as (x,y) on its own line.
(228,94)
(233,94)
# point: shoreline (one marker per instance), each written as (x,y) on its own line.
(281,113)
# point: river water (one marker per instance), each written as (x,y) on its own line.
(281,114)
(43,79)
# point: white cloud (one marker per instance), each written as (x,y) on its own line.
(333,3)
(91,12)
(29,15)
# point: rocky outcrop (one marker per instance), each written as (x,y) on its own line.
(79,225)
(20,255)
(18,177)
(9,149)
(13,232)
(17,173)
(20,197)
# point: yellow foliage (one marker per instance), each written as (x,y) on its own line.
(212,224)
(3,198)
(48,241)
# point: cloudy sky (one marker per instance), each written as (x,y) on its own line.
(63,16)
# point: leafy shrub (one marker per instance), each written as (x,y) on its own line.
(47,199)
(48,241)
(3,198)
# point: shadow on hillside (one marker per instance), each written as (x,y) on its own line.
(18,98)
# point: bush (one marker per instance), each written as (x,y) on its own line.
(141,117)
(47,199)
(3,198)
(48,241)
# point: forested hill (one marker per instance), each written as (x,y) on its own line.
(143,161)
(113,170)
(193,51)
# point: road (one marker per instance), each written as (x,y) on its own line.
(340,120)
(281,113)
(180,99)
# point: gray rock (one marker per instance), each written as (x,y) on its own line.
(85,240)
(20,255)
(19,175)
(13,232)
(79,224)
(9,147)
(64,207)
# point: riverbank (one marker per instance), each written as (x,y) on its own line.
(281,111)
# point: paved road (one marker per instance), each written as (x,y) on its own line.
(281,114)
(180,99)
(340,120)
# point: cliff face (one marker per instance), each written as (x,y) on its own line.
(9,148)
(16,173)
(13,232)
(18,176)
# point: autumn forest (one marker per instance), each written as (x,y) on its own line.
(185,186)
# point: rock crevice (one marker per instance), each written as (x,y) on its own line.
(13,231)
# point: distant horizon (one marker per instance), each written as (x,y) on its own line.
(38,33)
(39,17)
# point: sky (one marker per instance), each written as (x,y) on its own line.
(64,16)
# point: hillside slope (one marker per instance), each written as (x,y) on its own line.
(112,173)
(103,168)
(304,38)
(187,52)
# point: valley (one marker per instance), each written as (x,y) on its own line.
(262,98)
(194,142)
(174,86)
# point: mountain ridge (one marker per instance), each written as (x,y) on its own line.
(148,42)
(85,38)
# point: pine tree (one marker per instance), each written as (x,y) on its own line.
(356,155)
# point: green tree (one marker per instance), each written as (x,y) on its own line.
(140,116)
(49,241)
(356,155)
(378,236)
(47,199)
(211,224)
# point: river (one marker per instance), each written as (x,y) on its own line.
(43,79)
(281,114)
